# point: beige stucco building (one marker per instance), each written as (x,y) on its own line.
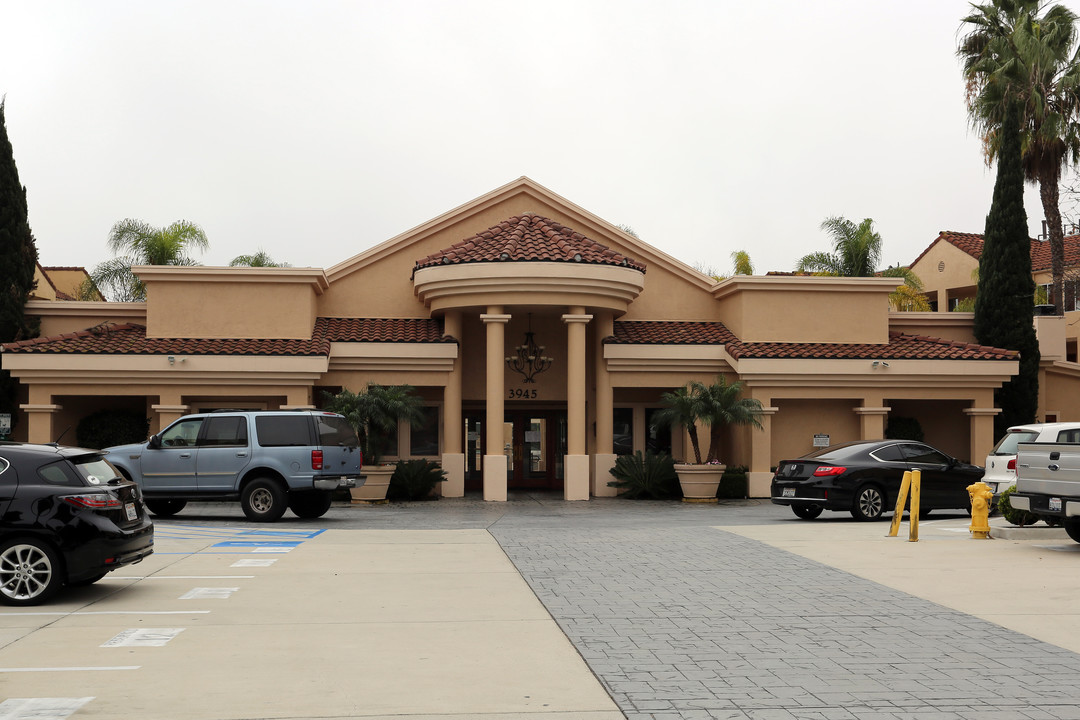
(448,307)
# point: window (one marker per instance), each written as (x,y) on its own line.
(225,431)
(657,437)
(924,455)
(55,474)
(424,440)
(97,471)
(889,453)
(283,430)
(334,430)
(182,434)
(1069,436)
(624,431)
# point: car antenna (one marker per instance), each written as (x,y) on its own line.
(61,436)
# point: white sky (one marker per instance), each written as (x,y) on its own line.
(316,129)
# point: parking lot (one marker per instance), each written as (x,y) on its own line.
(538,608)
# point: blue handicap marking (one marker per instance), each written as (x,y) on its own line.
(258,543)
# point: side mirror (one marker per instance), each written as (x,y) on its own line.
(155,442)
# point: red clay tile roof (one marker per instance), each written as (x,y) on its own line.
(899,347)
(381,330)
(972,244)
(528,238)
(130,339)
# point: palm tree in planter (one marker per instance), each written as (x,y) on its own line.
(375,413)
(715,406)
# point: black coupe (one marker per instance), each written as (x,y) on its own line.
(67,517)
(864,477)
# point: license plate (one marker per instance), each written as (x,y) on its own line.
(789,492)
(132,513)
(1055,504)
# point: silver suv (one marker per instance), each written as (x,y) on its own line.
(1000,466)
(268,460)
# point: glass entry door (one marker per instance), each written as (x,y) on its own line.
(534,443)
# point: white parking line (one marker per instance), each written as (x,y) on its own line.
(108,612)
(208,593)
(143,637)
(254,562)
(184,577)
(40,708)
(69,669)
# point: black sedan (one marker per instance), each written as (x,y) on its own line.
(864,479)
(67,517)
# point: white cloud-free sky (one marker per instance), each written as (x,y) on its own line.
(316,129)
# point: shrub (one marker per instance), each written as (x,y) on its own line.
(734,484)
(106,428)
(904,428)
(649,476)
(1011,514)
(414,479)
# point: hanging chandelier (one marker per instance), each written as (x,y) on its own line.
(529,358)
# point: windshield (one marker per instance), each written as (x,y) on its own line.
(1007,445)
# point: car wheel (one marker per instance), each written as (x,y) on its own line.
(807,512)
(1072,527)
(924,513)
(263,500)
(310,504)
(87,581)
(165,508)
(30,572)
(869,503)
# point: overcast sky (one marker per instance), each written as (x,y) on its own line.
(315,129)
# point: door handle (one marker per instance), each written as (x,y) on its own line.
(185,455)
(241,454)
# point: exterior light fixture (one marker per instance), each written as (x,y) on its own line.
(529,359)
(876,363)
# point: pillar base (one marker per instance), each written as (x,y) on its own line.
(759,484)
(454,484)
(576,477)
(495,478)
(601,464)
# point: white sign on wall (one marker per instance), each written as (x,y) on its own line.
(821,440)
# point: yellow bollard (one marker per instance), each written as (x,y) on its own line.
(981,495)
(913,513)
(901,500)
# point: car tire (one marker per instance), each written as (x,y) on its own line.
(165,508)
(30,572)
(807,512)
(311,503)
(1072,527)
(263,500)
(87,581)
(869,503)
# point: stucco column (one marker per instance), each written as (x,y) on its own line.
(453,455)
(759,478)
(982,432)
(872,422)
(40,427)
(298,399)
(604,458)
(495,464)
(576,466)
(169,408)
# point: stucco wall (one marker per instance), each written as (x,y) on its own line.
(797,421)
(945,267)
(209,309)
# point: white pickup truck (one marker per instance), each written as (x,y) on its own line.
(1048,482)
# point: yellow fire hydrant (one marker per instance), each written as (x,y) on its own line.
(981,497)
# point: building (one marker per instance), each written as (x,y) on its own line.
(541,338)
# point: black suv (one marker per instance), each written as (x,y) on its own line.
(67,517)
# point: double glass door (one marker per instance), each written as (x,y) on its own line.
(534,443)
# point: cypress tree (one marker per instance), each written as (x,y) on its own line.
(1004,301)
(18,260)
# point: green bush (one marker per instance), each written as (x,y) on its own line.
(1011,514)
(414,479)
(649,476)
(904,428)
(106,428)
(734,483)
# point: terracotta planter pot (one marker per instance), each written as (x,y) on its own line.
(699,482)
(375,487)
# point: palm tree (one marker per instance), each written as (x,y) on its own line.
(144,244)
(740,259)
(258,259)
(1011,53)
(717,405)
(375,412)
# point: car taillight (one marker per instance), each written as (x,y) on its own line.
(829,470)
(94,501)
(361,457)
(1012,464)
(316,459)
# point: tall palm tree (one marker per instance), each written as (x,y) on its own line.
(138,243)
(1012,53)
(856,250)
(257,259)
(717,405)
(375,412)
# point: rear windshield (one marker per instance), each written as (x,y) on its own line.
(96,470)
(1007,445)
(283,430)
(335,430)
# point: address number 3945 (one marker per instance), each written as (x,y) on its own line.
(521,394)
